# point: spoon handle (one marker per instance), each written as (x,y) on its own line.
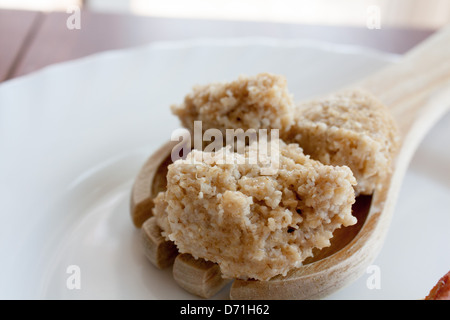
(416,88)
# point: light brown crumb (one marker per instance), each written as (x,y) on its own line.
(254,226)
(257,102)
(349,128)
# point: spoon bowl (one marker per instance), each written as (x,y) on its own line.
(417,92)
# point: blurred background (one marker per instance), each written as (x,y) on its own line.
(429,14)
(38,33)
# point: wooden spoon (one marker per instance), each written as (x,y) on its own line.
(417,91)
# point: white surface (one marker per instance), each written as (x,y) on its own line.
(74,135)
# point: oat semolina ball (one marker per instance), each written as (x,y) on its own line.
(348,128)
(250,102)
(255,226)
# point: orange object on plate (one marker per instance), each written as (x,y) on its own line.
(441,291)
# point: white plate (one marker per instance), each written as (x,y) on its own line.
(74,135)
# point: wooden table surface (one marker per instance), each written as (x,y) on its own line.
(31,40)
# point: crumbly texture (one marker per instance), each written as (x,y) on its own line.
(257,102)
(349,128)
(255,226)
